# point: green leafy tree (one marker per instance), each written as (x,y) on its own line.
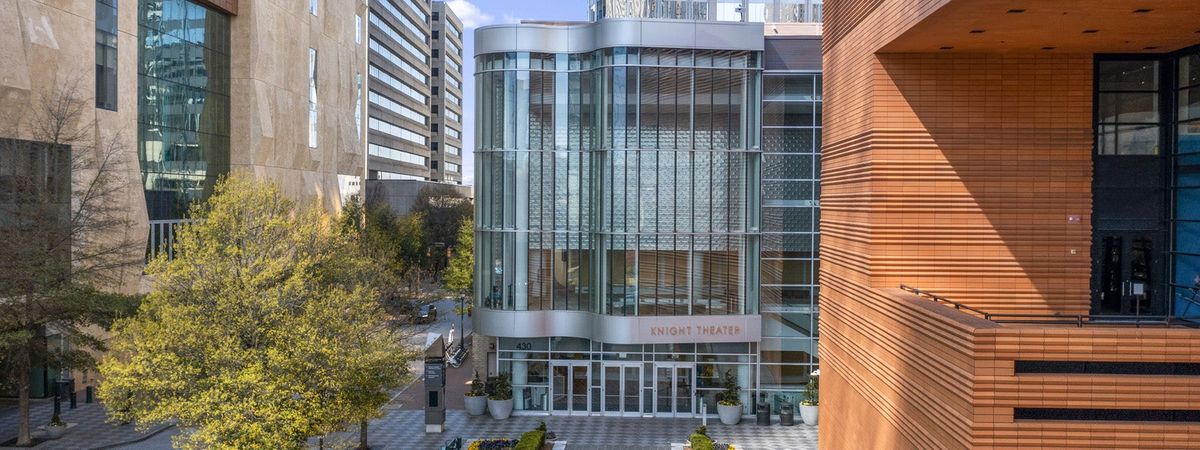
(460,276)
(262,332)
(442,209)
(65,241)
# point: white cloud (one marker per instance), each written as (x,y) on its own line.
(470,15)
(509,18)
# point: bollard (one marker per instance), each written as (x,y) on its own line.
(787,415)
(764,413)
(87,394)
(73,405)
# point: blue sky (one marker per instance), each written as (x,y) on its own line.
(477,13)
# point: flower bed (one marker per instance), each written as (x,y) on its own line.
(493,444)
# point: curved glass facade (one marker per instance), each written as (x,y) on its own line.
(622,181)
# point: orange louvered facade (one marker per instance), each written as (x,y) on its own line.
(960,162)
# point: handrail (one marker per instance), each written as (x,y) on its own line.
(940,299)
(1078,320)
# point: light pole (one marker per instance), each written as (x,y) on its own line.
(462,309)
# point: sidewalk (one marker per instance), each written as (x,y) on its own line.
(88,428)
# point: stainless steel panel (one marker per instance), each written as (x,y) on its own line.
(619,329)
(579,38)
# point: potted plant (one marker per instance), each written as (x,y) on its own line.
(808,407)
(56,427)
(500,401)
(729,404)
(475,398)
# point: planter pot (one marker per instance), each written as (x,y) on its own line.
(476,405)
(730,415)
(809,414)
(55,431)
(500,409)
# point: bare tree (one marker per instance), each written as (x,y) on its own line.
(65,240)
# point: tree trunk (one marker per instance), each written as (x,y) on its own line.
(362,436)
(22,363)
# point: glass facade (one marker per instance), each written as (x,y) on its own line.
(183,103)
(1187,184)
(564,375)
(791,144)
(770,11)
(621,181)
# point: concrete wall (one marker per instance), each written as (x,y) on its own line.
(269,105)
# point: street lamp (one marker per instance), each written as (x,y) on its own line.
(462,309)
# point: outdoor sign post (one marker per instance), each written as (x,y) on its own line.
(435,384)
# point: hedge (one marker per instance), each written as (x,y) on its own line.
(532,440)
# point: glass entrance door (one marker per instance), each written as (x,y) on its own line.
(674,389)
(622,389)
(569,388)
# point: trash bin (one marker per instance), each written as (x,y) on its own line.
(764,413)
(787,415)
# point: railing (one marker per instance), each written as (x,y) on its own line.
(1078,320)
(162,237)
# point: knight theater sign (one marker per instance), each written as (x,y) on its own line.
(619,329)
(672,329)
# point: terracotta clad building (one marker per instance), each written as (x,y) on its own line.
(1034,162)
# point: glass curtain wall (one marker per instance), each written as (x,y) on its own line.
(183,103)
(771,11)
(619,181)
(1187,186)
(791,143)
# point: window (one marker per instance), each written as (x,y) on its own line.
(383,151)
(398,85)
(452,167)
(433,165)
(450,149)
(434,90)
(417,31)
(312,6)
(1127,108)
(435,71)
(453,133)
(394,130)
(391,105)
(395,34)
(434,146)
(393,58)
(433,109)
(358,88)
(312,96)
(436,16)
(435,34)
(358,29)
(436,53)
(106,54)
(434,128)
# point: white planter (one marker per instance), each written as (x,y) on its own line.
(809,414)
(475,405)
(500,409)
(730,415)
(55,431)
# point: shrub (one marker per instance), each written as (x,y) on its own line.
(501,390)
(476,387)
(700,442)
(493,444)
(730,396)
(812,390)
(532,440)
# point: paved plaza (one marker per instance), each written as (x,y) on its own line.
(404,430)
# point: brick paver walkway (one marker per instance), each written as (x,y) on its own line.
(88,426)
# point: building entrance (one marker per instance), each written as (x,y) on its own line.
(569,388)
(674,389)
(621,388)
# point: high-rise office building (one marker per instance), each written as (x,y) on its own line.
(415,91)
(1031,168)
(446,114)
(629,252)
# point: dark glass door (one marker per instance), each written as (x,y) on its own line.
(1129,273)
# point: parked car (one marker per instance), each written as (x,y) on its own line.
(427,314)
